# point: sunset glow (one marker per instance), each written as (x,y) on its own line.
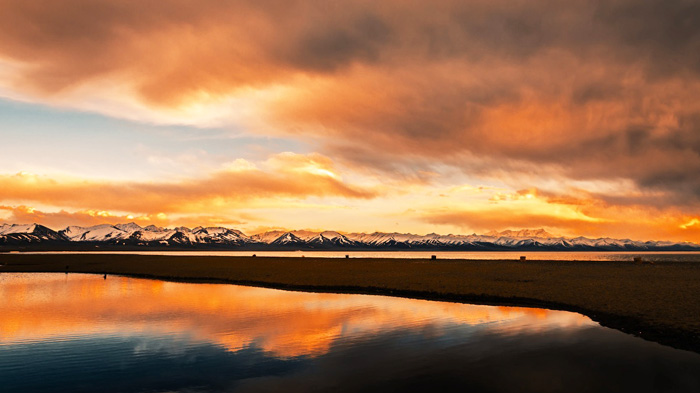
(447,116)
(233,317)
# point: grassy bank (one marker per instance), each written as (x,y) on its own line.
(660,302)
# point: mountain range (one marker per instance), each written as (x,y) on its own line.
(132,236)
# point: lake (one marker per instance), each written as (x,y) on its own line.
(85,333)
(680,256)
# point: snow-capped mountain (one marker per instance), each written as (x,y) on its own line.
(271,236)
(34,233)
(122,234)
(95,233)
(130,227)
(133,235)
(331,238)
(288,239)
(219,235)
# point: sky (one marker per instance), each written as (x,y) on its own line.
(580,117)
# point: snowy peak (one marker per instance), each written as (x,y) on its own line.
(134,234)
(32,233)
(331,238)
(7,229)
(270,236)
(218,231)
(267,237)
(288,238)
(95,233)
(219,235)
(523,233)
(130,227)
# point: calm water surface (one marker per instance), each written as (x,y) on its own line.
(83,333)
(681,256)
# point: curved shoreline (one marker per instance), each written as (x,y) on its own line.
(666,308)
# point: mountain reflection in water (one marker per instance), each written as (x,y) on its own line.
(83,333)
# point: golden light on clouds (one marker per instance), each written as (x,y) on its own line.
(695,222)
(385,107)
(288,175)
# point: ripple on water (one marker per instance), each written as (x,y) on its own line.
(80,333)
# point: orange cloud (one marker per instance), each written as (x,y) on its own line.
(482,221)
(289,176)
(693,222)
(576,214)
(62,218)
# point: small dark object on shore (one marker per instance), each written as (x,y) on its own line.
(254,255)
(105,276)
(347,256)
(640,260)
(433,257)
(523,258)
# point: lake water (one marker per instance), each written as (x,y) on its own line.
(84,333)
(681,256)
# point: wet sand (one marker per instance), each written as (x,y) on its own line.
(659,302)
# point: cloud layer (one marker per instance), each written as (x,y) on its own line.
(530,93)
(286,176)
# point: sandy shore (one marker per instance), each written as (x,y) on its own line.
(659,302)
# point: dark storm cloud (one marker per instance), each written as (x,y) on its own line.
(330,46)
(666,33)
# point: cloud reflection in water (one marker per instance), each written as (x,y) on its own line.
(82,332)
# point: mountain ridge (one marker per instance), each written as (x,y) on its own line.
(130,235)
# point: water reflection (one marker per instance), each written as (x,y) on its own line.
(287,324)
(85,333)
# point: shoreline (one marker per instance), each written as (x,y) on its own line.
(656,302)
